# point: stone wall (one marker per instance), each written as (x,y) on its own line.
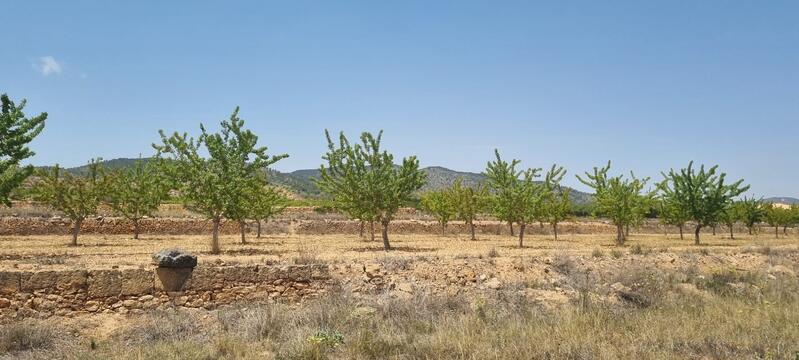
(65,293)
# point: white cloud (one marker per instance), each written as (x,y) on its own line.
(48,65)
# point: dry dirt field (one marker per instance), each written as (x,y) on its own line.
(434,297)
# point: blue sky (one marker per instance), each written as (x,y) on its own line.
(648,84)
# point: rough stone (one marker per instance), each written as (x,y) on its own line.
(493,283)
(174,258)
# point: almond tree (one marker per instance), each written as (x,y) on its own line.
(777,217)
(621,200)
(16,132)
(672,214)
(363,180)
(217,185)
(750,212)
(556,205)
(468,201)
(265,204)
(530,196)
(730,216)
(440,205)
(75,196)
(703,195)
(136,192)
(503,182)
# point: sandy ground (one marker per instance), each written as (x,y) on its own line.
(103,252)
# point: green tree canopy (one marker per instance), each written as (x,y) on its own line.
(703,195)
(671,213)
(137,191)
(263,203)
(440,205)
(77,197)
(215,186)
(469,202)
(16,132)
(557,205)
(750,212)
(621,200)
(777,216)
(364,182)
(504,182)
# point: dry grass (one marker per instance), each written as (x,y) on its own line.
(724,324)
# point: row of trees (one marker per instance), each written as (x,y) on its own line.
(702,197)
(222,176)
(229,183)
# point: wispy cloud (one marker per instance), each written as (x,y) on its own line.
(48,65)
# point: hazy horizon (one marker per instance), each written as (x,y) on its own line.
(650,86)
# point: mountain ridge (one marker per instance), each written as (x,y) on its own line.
(302,183)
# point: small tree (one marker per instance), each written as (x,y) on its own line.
(136,192)
(730,216)
(750,212)
(468,202)
(215,185)
(530,194)
(777,216)
(16,132)
(440,205)
(556,203)
(503,182)
(364,181)
(265,204)
(621,200)
(702,195)
(795,214)
(672,214)
(76,197)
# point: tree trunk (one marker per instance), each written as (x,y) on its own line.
(215,237)
(555,230)
(361,229)
(785,230)
(386,245)
(443,229)
(499,228)
(732,233)
(696,234)
(372,229)
(471,227)
(714,230)
(750,229)
(258,229)
(776,232)
(522,227)
(243,229)
(619,235)
(75,231)
(682,237)
(511,228)
(136,229)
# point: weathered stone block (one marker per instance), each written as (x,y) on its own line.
(105,283)
(49,281)
(137,282)
(9,282)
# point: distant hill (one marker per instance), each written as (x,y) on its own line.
(302,182)
(782,200)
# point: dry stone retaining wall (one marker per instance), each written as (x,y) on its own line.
(46,293)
